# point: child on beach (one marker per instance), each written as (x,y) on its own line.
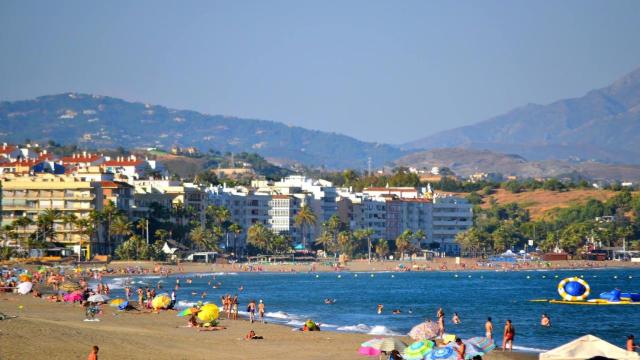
(93,355)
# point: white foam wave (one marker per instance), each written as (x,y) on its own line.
(278,315)
(201,275)
(371,330)
(528,349)
(295,323)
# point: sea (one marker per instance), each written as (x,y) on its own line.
(291,298)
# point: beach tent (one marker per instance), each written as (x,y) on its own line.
(588,347)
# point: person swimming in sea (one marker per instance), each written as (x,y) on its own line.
(329,301)
(545,320)
(380,308)
(396,311)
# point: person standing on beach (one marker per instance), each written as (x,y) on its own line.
(93,355)
(461,349)
(251,309)
(140,297)
(508,336)
(488,329)
(234,306)
(261,311)
(127,292)
(440,315)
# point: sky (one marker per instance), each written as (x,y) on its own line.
(385,71)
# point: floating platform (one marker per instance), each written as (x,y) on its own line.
(594,302)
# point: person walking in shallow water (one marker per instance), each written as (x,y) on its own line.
(440,315)
(508,336)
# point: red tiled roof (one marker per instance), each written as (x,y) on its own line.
(81,159)
(7,149)
(114,184)
(22,162)
(280,196)
(123,163)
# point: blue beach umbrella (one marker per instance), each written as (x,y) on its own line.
(442,353)
(123,305)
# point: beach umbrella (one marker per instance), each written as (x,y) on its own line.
(188,311)
(424,331)
(24,288)
(208,312)
(478,346)
(123,306)
(117,302)
(70,286)
(98,298)
(442,353)
(389,344)
(417,350)
(368,348)
(161,301)
(24,277)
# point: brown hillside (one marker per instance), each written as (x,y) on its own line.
(540,201)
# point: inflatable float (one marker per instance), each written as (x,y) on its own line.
(575,291)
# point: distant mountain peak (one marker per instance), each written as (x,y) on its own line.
(604,125)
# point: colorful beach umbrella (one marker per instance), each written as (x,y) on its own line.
(98,298)
(389,344)
(424,331)
(478,346)
(188,311)
(123,306)
(442,353)
(161,301)
(24,277)
(72,297)
(417,350)
(370,347)
(208,313)
(117,302)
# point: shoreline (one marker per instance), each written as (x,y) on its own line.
(58,330)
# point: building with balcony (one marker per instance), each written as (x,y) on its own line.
(30,196)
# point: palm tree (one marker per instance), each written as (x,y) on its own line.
(236,230)
(121,227)
(162,234)
(362,234)
(222,216)
(259,236)
(382,248)
(345,242)
(325,240)
(46,221)
(23,223)
(200,237)
(305,218)
(403,242)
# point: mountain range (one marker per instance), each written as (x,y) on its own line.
(94,121)
(465,162)
(603,125)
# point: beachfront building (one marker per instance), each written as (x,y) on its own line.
(450,216)
(31,196)
(174,196)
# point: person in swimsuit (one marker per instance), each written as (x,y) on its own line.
(456,318)
(488,329)
(545,321)
(461,349)
(234,305)
(440,315)
(251,309)
(508,335)
(261,311)
(631,345)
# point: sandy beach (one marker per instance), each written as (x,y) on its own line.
(46,330)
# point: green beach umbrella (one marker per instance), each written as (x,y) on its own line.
(417,350)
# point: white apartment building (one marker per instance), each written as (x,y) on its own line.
(450,215)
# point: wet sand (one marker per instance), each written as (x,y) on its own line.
(45,330)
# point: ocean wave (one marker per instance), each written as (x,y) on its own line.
(528,349)
(371,330)
(295,323)
(201,275)
(185,303)
(278,315)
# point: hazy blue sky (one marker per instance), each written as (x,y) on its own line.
(389,71)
